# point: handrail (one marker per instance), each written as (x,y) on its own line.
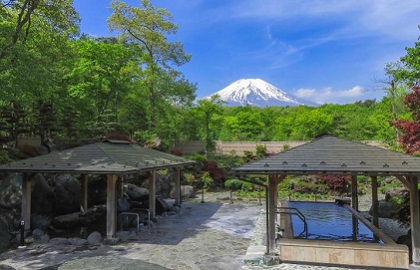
(298,214)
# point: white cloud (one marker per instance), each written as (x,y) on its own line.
(393,18)
(329,95)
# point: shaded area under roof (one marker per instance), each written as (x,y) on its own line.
(331,155)
(114,157)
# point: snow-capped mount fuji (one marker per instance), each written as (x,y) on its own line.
(254,92)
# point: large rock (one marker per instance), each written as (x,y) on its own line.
(10,205)
(163,185)
(385,209)
(162,205)
(136,193)
(96,191)
(70,221)
(94,238)
(42,196)
(67,193)
(398,192)
(40,222)
(11,191)
(186,192)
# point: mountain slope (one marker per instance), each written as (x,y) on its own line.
(254,92)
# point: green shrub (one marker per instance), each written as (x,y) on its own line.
(246,186)
(199,157)
(4,157)
(233,184)
(261,151)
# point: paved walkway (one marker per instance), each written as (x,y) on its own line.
(202,236)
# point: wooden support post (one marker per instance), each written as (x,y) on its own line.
(177,176)
(355,206)
(273,183)
(26,201)
(111,205)
(152,193)
(375,219)
(354,196)
(84,197)
(415,222)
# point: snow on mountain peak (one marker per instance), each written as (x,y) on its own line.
(255,92)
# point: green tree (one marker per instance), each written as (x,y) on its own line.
(206,111)
(100,80)
(34,57)
(410,70)
(147,28)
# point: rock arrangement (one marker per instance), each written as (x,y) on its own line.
(56,203)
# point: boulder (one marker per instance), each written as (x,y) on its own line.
(186,192)
(96,190)
(136,193)
(10,205)
(75,241)
(59,241)
(123,205)
(71,220)
(67,194)
(405,239)
(40,222)
(94,238)
(42,196)
(398,192)
(37,234)
(163,185)
(385,209)
(162,205)
(11,191)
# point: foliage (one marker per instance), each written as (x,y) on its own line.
(404,214)
(236,184)
(4,157)
(214,171)
(336,182)
(261,151)
(147,29)
(206,180)
(410,139)
(233,184)
(206,112)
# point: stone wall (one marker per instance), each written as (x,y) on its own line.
(238,148)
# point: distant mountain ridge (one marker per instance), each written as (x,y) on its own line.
(255,92)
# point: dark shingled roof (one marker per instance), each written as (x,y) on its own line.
(330,155)
(117,157)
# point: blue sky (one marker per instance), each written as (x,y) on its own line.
(324,51)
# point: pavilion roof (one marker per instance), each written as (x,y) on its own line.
(118,157)
(331,155)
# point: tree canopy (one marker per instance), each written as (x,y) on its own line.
(56,82)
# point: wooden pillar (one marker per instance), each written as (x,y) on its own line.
(415,222)
(375,219)
(152,193)
(355,206)
(84,197)
(111,205)
(26,201)
(177,176)
(273,182)
(354,196)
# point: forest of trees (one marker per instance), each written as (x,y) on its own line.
(58,83)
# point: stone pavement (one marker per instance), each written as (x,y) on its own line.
(202,236)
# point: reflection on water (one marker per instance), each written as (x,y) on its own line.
(329,221)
